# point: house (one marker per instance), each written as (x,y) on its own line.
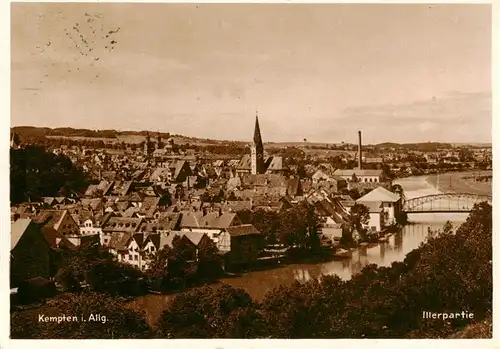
(274,164)
(240,244)
(35,251)
(376,220)
(244,165)
(99,190)
(210,223)
(95,204)
(119,225)
(118,244)
(91,225)
(294,187)
(390,202)
(363,176)
(180,171)
(62,222)
(149,208)
(338,184)
(122,188)
(132,253)
(332,231)
(49,201)
(157,241)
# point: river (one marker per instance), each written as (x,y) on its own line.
(258,283)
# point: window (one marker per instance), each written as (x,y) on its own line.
(135,257)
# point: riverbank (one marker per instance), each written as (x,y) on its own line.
(258,283)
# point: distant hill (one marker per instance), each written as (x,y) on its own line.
(137,137)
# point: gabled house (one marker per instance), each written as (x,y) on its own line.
(362,176)
(377,220)
(390,202)
(210,223)
(35,251)
(190,240)
(119,225)
(240,244)
(132,254)
(62,222)
(165,222)
(149,208)
(99,190)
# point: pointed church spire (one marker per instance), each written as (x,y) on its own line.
(257,138)
(257,149)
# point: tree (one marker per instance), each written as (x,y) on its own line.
(206,197)
(208,313)
(298,227)
(35,173)
(157,273)
(95,266)
(397,189)
(267,222)
(359,216)
(111,320)
(209,264)
(354,193)
(301,171)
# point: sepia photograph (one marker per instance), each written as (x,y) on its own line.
(250,171)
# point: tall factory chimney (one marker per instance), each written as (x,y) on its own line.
(360,152)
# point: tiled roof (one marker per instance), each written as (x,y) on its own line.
(275,163)
(373,206)
(210,220)
(139,238)
(119,240)
(149,206)
(17,230)
(159,173)
(243,230)
(55,239)
(48,217)
(94,203)
(244,164)
(122,205)
(178,167)
(371,173)
(122,224)
(235,206)
(169,221)
(130,212)
(380,194)
(160,240)
(48,200)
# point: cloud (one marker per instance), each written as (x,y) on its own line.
(452,117)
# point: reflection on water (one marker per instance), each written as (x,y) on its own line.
(258,283)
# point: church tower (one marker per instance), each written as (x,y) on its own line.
(147,145)
(257,150)
(159,144)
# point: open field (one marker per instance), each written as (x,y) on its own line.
(454,182)
(136,139)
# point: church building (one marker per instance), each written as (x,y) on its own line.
(257,151)
(256,162)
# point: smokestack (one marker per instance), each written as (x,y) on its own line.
(360,152)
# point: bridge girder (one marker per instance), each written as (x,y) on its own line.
(413,203)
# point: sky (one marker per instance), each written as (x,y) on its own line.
(399,73)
